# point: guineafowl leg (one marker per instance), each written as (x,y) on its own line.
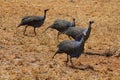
(25,30)
(71,61)
(35,31)
(67,59)
(58,35)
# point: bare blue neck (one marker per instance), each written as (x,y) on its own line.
(89,28)
(88,31)
(80,38)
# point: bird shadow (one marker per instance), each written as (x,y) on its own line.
(84,67)
(106,54)
(29,35)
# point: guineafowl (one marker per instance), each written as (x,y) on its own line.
(61,26)
(34,21)
(71,48)
(75,32)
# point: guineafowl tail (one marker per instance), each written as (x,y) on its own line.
(58,51)
(54,55)
(19,25)
(46,29)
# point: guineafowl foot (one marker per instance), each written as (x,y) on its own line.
(52,57)
(71,61)
(57,41)
(35,35)
(66,63)
(67,60)
(89,67)
(80,64)
(31,35)
(72,66)
(25,34)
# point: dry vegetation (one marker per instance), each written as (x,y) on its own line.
(29,58)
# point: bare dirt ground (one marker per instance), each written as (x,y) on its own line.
(29,58)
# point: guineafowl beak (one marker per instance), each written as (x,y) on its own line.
(92,22)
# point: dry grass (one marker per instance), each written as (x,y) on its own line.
(29,58)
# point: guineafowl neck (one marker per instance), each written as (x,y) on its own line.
(44,15)
(82,44)
(73,23)
(80,39)
(88,31)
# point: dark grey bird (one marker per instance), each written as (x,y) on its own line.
(34,21)
(76,32)
(71,48)
(61,25)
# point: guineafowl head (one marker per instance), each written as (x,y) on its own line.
(74,22)
(44,17)
(91,22)
(46,10)
(73,19)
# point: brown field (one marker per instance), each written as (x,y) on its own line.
(29,57)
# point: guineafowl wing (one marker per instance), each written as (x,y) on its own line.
(26,17)
(62,23)
(68,45)
(73,32)
(29,19)
(65,24)
(58,25)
